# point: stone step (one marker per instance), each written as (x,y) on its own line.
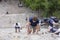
(9,19)
(9,34)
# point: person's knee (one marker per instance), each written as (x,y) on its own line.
(29,31)
(38,27)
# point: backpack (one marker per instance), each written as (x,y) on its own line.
(56,20)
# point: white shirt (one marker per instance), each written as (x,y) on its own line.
(17,25)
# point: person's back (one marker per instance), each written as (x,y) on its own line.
(33,23)
(17,27)
(52,21)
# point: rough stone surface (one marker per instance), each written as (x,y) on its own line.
(16,14)
(9,34)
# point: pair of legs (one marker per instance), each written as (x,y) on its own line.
(55,31)
(33,29)
(17,29)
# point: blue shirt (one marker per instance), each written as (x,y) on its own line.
(51,22)
(33,23)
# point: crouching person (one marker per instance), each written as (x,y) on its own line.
(17,27)
(53,25)
(33,25)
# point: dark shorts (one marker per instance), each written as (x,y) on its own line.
(32,26)
(51,30)
(17,27)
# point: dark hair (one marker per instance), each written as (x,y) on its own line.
(45,20)
(34,18)
(16,23)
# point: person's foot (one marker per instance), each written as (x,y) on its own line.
(57,33)
(29,33)
(42,32)
(19,30)
(15,31)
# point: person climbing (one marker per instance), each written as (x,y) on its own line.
(53,25)
(17,27)
(33,25)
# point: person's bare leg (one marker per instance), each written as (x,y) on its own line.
(19,29)
(49,28)
(29,30)
(16,30)
(37,28)
(34,29)
(57,32)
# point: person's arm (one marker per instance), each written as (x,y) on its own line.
(52,21)
(43,23)
(55,23)
(28,24)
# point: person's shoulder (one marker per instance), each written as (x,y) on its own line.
(30,18)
